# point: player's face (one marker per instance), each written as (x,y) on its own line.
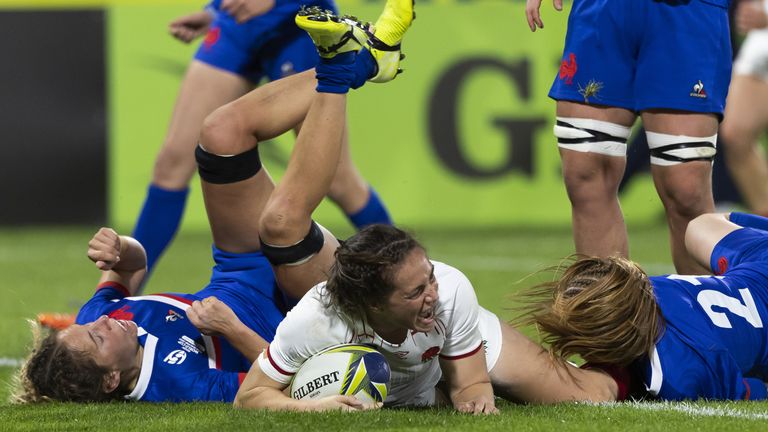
(413,301)
(112,343)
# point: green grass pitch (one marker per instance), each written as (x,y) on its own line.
(47,270)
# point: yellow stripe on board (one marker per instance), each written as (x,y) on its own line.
(42,4)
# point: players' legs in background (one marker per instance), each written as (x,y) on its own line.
(746,118)
(592,179)
(203,89)
(685,187)
(235,206)
(356,198)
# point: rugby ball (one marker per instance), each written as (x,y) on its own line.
(349,369)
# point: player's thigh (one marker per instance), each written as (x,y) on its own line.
(203,89)
(276,107)
(746,113)
(688,70)
(674,122)
(580,164)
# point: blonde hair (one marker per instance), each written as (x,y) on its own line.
(602,309)
(53,371)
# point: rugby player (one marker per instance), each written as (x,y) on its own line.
(668,62)
(673,336)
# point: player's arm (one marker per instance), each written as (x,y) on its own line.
(751,15)
(121,259)
(703,234)
(187,28)
(214,318)
(533,12)
(527,372)
(259,391)
(469,386)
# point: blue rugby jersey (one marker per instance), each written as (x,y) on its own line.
(180,364)
(715,344)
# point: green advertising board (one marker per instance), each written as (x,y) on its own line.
(462,138)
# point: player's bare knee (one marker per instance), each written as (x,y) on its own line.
(687,202)
(223,132)
(282,223)
(589,186)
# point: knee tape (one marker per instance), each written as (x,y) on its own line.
(223,169)
(298,253)
(676,149)
(594,136)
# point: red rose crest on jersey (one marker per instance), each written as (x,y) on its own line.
(212,37)
(430,354)
(121,314)
(568,69)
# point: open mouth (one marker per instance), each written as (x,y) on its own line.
(427,316)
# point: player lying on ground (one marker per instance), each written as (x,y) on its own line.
(382,289)
(163,347)
(147,348)
(681,337)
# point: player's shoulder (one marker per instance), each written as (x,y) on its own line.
(314,310)
(447,273)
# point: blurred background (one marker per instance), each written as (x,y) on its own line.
(462,138)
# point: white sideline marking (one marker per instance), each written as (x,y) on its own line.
(10,362)
(692,410)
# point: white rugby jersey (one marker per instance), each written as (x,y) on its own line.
(311,326)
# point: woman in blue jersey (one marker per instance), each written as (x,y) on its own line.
(674,336)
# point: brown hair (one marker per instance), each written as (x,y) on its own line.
(602,309)
(362,276)
(56,372)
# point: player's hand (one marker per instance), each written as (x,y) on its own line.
(750,15)
(481,405)
(212,317)
(338,403)
(104,249)
(189,27)
(533,13)
(243,10)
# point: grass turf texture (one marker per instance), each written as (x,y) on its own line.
(47,270)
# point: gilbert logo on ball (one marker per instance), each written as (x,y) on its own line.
(349,369)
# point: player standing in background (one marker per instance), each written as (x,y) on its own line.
(246,41)
(746,115)
(668,61)
(676,337)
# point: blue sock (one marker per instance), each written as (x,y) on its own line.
(365,68)
(334,75)
(373,212)
(749,220)
(159,220)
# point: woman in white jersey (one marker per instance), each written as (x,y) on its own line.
(381,287)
